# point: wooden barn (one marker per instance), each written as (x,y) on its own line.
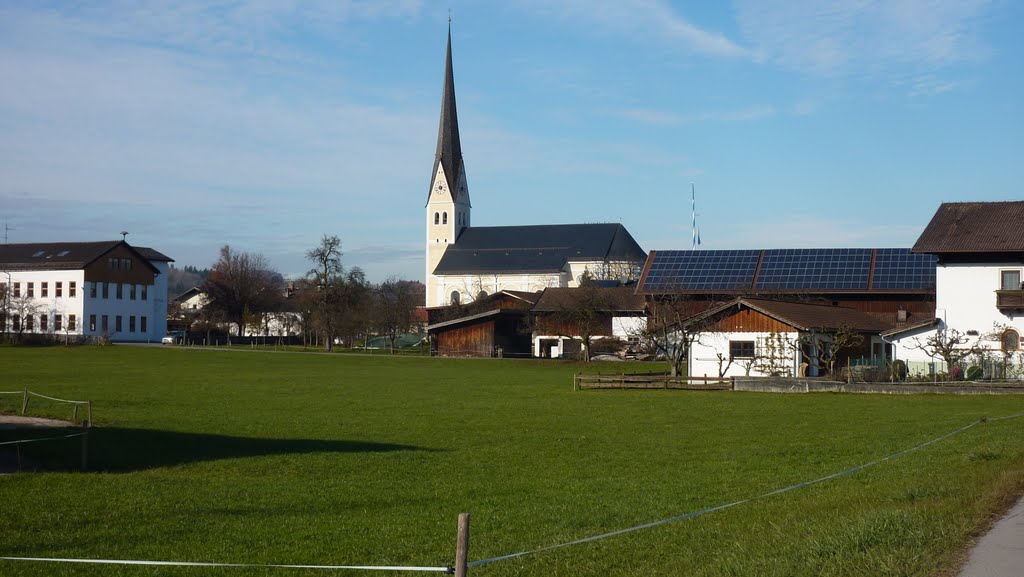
(495,326)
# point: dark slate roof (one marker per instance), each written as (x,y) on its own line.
(536,248)
(64,255)
(974,227)
(804,316)
(449,148)
(623,299)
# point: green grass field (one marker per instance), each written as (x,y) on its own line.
(258,457)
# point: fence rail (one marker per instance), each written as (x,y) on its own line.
(640,381)
(26,395)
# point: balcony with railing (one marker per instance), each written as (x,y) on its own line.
(1009,300)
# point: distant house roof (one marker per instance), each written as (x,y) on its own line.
(802,316)
(927,323)
(974,227)
(537,248)
(622,299)
(66,255)
(192,292)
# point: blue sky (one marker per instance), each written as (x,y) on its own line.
(264,125)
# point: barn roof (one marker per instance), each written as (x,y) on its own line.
(788,271)
(66,255)
(974,227)
(537,248)
(802,316)
(623,299)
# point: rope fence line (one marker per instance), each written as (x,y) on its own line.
(246,565)
(700,512)
(26,394)
(21,441)
(462,565)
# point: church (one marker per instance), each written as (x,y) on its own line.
(466,262)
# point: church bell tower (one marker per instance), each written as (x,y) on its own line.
(448,205)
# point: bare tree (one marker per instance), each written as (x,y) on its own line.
(396,302)
(240,284)
(583,312)
(950,345)
(822,349)
(327,283)
(674,323)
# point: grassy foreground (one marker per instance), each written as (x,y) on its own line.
(252,457)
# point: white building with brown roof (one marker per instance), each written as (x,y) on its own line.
(84,289)
(979,279)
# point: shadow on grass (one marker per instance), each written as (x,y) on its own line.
(119,450)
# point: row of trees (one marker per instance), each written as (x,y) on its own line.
(330,304)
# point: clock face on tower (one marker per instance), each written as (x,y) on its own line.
(440,188)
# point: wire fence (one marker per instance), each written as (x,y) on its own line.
(462,565)
(26,395)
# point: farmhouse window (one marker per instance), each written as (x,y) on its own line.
(58,322)
(741,349)
(71,290)
(145,293)
(105,324)
(1010,341)
(120,291)
(71,322)
(131,292)
(1009,280)
(44,289)
(43,323)
(117,323)
(16,320)
(106,290)
(92,290)
(142,324)
(31,290)
(58,289)
(29,319)
(131,324)
(92,323)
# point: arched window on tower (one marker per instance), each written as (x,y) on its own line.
(437,218)
(444,218)
(455,297)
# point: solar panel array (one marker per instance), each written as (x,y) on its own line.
(796,270)
(701,270)
(898,268)
(815,269)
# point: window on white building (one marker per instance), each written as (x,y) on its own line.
(455,297)
(1009,280)
(71,289)
(58,289)
(741,349)
(44,289)
(1010,341)
(71,322)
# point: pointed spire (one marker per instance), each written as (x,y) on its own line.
(449,149)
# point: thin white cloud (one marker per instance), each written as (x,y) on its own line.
(667,118)
(643,19)
(864,37)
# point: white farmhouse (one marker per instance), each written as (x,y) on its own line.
(92,289)
(758,337)
(979,290)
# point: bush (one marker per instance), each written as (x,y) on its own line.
(956,373)
(974,373)
(899,370)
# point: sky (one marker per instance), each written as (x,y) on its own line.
(264,125)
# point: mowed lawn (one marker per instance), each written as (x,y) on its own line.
(260,457)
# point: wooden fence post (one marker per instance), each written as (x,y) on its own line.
(462,546)
(85,445)
(24,401)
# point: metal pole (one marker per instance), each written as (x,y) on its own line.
(85,446)
(462,546)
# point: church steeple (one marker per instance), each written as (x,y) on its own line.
(449,148)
